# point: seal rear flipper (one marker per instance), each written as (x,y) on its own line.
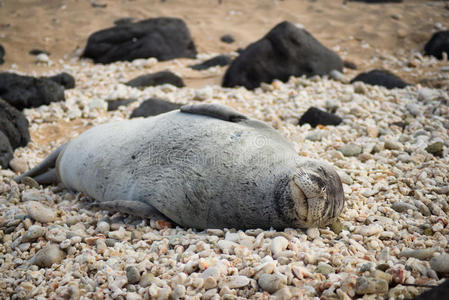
(217,111)
(132,207)
(45,167)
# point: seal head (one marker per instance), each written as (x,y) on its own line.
(313,196)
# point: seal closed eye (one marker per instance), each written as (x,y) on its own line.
(188,166)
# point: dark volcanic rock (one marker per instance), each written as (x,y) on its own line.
(115,104)
(219,60)
(157,78)
(438,44)
(315,116)
(382,78)
(285,51)
(163,38)
(64,79)
(349,65)
(25,91)
(153,107)
(227,38)
(439,292)
(377,1)
(38,51)
(2,54)
(13,125)
(6,153)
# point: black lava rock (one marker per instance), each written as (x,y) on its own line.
(13,125)
(38,51)
(227,38)
(6,153)
(163,38)
(438,44)
(382,78)
(436,293)
(285,51)
(377,1)
(153,107)
(25,91)
(115,104)
(2,54)
(315,116)
(349,65)
(157,78)
(219,60)
(64,79)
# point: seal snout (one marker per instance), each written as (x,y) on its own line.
(323,192)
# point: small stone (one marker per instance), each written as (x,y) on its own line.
(47,256)
(372,132)
(119,234)
(34,232)
(228,246)
(427,94)
(210,283)
(179,292)
(392,145)
(65,244)
(56,234)
(40,212)
(33,195)
(351,150)
(271,282)
(43,58)
(370,230)
(359,87)
(132,274)
(18,165)
(428,231)
(336,226)
(371,286)
(313,233)
(383,267)
(30,182)
(278,244)
(236,282)
(382,275)
(345,178)
(402,207)
(133,296)
(440,264)
(436,149)
(110,242)
(103,227)
(442,190)
(317,135)
(146,279)
(227,38)
(337,75)
(324,269)
(421,254)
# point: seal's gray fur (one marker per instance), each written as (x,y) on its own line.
(204,166)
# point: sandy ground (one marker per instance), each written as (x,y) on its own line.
(359,32)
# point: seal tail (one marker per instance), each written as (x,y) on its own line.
(44,172)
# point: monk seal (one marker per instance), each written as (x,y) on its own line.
(203,166)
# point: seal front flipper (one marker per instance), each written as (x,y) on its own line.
(132,207)
(44,172)
(217,111)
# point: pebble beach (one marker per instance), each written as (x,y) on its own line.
(391,152)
